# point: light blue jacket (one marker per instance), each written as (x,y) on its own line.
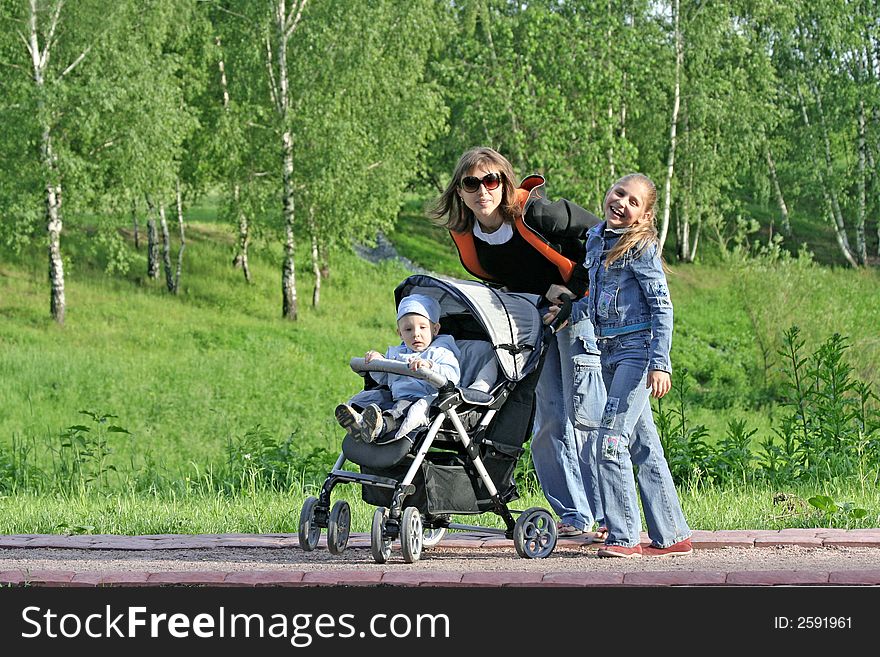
(630,295)
(444,355)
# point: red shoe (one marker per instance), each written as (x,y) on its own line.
(680,549)
(620,551)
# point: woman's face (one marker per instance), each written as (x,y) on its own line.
(625,204)
(483,202)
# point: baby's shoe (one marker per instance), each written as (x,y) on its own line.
(350,420)
(372,423)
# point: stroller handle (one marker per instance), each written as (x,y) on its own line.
(360,365)
(564,313)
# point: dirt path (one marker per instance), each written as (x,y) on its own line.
(566,558)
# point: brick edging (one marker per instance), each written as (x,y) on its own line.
(495,579)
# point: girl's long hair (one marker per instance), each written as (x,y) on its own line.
(640,235)
(458,216)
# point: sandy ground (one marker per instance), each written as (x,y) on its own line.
(580,558)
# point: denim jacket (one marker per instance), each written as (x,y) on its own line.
(630,295)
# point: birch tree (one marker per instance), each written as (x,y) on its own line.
(678,42)
(810,74)
(241,118)
(93,78)
(56,40)
(286,19)
(351,118)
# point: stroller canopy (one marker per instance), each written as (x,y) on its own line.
(512,321)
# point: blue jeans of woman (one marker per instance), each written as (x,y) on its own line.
(628,438)
(569,482)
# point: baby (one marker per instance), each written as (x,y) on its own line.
(371,413)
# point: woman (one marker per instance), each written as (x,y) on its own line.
(515,238)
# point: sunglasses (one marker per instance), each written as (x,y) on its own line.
(472,184)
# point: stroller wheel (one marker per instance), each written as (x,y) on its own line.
(411,534)
(534,535)
(379,545)
(338,527)
(431,537)
(309,532)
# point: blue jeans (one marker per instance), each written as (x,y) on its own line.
(569,483)
(628,438)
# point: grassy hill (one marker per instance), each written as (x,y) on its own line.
(187,374)
(191,389)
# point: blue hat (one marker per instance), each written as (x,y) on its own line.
(419,304)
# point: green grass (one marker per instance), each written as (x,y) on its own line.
(264,512)
(185,374)
(190,377)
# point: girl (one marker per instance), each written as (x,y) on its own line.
(631,311)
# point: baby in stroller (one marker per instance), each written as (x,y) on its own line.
(460,455)
(401,402)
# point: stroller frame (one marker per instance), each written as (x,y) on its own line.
(533,531)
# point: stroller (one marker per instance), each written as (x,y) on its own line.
(463,462)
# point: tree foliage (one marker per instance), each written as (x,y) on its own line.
(778,121)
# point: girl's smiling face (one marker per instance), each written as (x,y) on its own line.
(626,204)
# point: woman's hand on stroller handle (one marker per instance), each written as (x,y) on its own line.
(557,316)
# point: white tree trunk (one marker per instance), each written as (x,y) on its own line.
(135,225)
(58,304)
(780,199)
(834,215)
(316,264)
(837,215)
(241,258)
(693,252)
(861,244)
(223,84)
(286,23)
(673,127)
(152,241)
(683,231)
(288,278)
(166,248)
(244,235)
(48,158)
(182,232)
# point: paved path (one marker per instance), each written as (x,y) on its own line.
(613,573)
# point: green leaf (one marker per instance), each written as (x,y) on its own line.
(823,503)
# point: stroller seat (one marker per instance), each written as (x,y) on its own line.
(476,388)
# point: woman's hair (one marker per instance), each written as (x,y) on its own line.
(640,235)
(458,216)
